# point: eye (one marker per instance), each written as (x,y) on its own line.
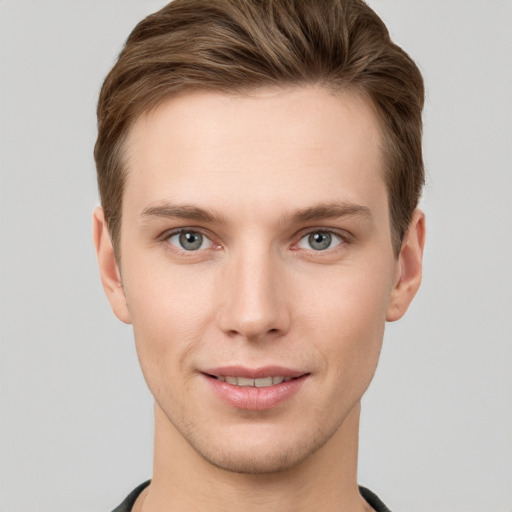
(189,240)
(320,240)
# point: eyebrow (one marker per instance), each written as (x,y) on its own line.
(182,211)
(329,211)
(318,212)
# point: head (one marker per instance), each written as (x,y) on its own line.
(259,166)
(236,46)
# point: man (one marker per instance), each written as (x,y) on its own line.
(259,165)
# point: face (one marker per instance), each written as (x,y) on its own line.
(257,268)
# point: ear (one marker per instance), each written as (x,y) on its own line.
(109,270)
(409,268)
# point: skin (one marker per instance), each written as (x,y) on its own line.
(270,168)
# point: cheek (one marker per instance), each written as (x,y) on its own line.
(170,313)
(349,299)
(165,297)
(349,319)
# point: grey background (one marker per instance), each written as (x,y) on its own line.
(75,416)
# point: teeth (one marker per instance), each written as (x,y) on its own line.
(280,379)
(242,381)
(263,382)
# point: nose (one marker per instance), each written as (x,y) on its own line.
(253,294)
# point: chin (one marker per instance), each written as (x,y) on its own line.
(269,454)
(248,462)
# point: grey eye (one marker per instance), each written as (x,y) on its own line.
(319,241)
(189,241)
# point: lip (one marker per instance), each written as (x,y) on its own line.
(253,398)
(253,373)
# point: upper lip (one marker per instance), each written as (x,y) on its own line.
(254,373)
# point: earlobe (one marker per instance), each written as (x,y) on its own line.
(109,270)
(410,264)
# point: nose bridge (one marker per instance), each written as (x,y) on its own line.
(253,305)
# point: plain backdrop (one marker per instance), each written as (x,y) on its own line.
(75,416)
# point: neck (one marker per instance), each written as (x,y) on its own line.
(183,480)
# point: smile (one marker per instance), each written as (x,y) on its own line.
(262,382)
(257,392)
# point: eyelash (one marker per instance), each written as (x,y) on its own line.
(165,238)
(343,238)
(333,237)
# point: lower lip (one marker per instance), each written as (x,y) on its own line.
(253,398)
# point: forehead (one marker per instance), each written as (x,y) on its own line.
(277,147)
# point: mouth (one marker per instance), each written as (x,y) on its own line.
(260,382)
(255,389)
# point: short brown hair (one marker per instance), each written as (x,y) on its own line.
(241,45)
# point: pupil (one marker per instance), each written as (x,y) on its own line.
(191,241)
(319,240)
